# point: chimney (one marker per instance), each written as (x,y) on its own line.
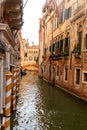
(32,43)
(28,42)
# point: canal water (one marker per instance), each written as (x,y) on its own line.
(41,106)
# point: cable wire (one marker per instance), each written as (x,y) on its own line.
(25,4)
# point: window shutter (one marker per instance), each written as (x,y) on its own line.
(67,13)
(61,17)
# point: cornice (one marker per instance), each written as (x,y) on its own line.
(7,32)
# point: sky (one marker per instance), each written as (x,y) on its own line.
(32,14)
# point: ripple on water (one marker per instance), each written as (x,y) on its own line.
(43,107)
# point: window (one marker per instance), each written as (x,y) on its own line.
(30,58)
(54,23)
(35,58)
(67,13)
(53,47)
(25,54)
(61,46)
(57,71)
(66,45)
(77,76)
(85,41)
(78,47)
(50,48)
(57,45)
(66,74)
(80,37)
(84,77)
(61,17)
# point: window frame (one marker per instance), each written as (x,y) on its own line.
(57,70)
(79,77)
(65,73)
(85,41)
(83,81)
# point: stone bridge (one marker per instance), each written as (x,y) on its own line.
(33,67)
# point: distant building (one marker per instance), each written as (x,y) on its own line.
(29,53)
(33,54)
(24,52)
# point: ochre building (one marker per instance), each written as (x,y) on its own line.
(29,55)
(63,45)
(33,54)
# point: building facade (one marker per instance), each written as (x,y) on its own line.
(63,36)
(24,52)
(33,54)
(11,21)
(29,55)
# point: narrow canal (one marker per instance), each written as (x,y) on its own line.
(41,106)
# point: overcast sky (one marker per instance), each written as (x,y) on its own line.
(32,13)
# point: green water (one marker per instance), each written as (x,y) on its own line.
(41,106)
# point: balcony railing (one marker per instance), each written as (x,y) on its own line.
(77,51)
(58,56)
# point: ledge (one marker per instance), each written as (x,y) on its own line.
(7,32)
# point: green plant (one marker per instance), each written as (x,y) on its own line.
(77,48)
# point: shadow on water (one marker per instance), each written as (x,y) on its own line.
(41,106)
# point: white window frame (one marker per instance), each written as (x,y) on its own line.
(64,74)
(75,76)
(83,77)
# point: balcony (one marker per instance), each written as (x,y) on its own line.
(77,51)
(56,56)
(14,14)
(77,55)
(59,52)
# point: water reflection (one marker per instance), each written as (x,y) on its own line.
(43,107)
